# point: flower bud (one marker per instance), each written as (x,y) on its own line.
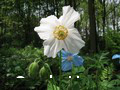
(33,69)
(44,71)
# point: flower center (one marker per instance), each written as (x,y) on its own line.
(60,32)
(69,58)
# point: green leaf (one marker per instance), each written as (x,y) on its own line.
(81,69)
(51,86)
(76,86)
(76,70)
(116,88)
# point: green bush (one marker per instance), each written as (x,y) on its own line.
(97,72)
(112,39)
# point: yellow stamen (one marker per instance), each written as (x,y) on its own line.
(69,58)
(60,32)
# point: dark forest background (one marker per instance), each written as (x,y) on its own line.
(99,26)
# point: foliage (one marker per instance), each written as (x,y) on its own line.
(15,63)
(113,41)
(98,72)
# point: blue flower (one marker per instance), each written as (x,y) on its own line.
(69,59)
(116,56)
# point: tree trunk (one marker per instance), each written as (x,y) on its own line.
(93,33)
(71,2)
(65,1)
(103,24)
(114,16)
(104,14)
(56,7)
(28,27)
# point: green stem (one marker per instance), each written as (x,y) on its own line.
(60,70)
(51,74)
(53,78)
(52,86)
(97,80)
(71,80)
(71,83)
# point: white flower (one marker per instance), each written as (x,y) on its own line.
(60,33)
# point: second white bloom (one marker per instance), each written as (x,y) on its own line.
(60,33)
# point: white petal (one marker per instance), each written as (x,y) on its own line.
(52,47)
(44,31)
(51,20)
(70,16)
(46,27)
(46,49)
(58,47)
(47,45)
(73,41)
